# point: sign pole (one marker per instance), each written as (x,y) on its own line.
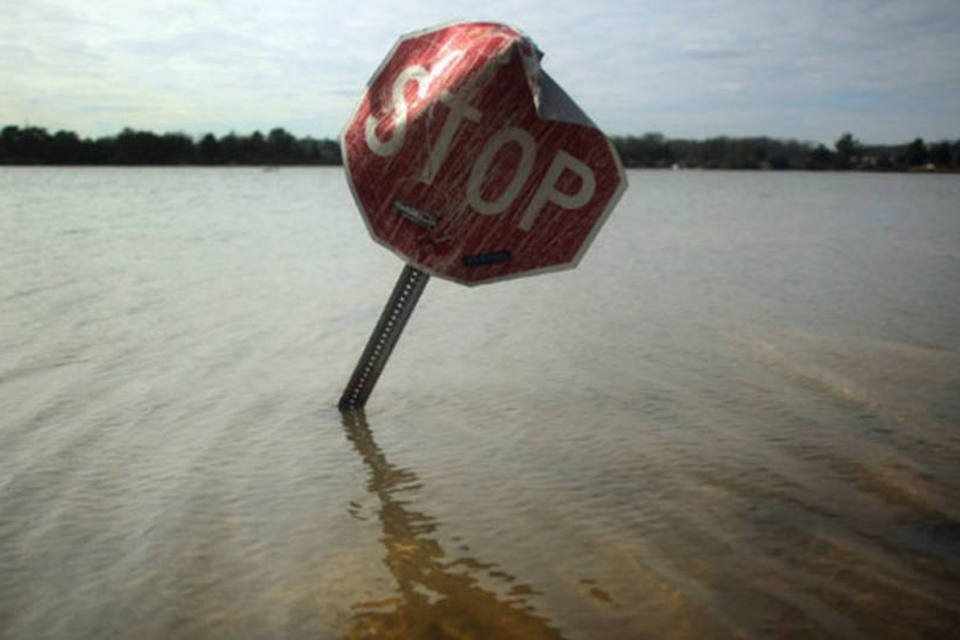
(393,319)
(441,195)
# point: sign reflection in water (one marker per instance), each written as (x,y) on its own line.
(437,596)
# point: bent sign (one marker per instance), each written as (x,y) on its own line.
(471,163)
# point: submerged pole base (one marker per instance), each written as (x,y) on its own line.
(384,338)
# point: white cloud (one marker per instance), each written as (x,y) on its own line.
(634,67)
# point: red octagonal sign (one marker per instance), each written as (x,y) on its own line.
(470,162)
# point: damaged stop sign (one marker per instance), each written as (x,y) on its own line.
(471,163)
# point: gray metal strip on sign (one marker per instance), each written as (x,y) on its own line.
(393,319)
(411,213)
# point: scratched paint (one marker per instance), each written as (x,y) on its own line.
(462,125)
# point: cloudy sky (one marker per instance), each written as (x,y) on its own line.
(807,69)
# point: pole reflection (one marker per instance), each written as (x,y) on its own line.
(438,597)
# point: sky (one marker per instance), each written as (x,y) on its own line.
(807,69)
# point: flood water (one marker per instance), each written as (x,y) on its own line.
(739,417)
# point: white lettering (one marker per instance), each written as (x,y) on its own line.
(548,192)
(528,150)
(399,107)
(459,109)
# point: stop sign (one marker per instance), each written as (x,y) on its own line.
(468,161)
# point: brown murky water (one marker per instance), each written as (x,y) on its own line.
(740,417)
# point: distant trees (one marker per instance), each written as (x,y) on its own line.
(820,158)
(941,155)
(34,145)
(849,151)
(654,150)
(916,153)
(650,150)
(208,151)
(144,147)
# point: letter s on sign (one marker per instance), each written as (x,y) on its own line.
(399,107)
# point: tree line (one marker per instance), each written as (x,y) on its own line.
(848,153)
(35,145)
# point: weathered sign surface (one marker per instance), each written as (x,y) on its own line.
(471,163)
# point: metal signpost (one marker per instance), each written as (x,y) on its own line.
(469,162)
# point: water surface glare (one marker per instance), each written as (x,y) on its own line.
(739,417)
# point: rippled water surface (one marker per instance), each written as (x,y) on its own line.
(740,417)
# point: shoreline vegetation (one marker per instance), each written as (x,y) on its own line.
(36,146)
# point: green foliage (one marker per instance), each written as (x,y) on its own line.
(821,158)
(848,149)
(941,154)
(654,150)
(916,153)
(33,145)
(650,150)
